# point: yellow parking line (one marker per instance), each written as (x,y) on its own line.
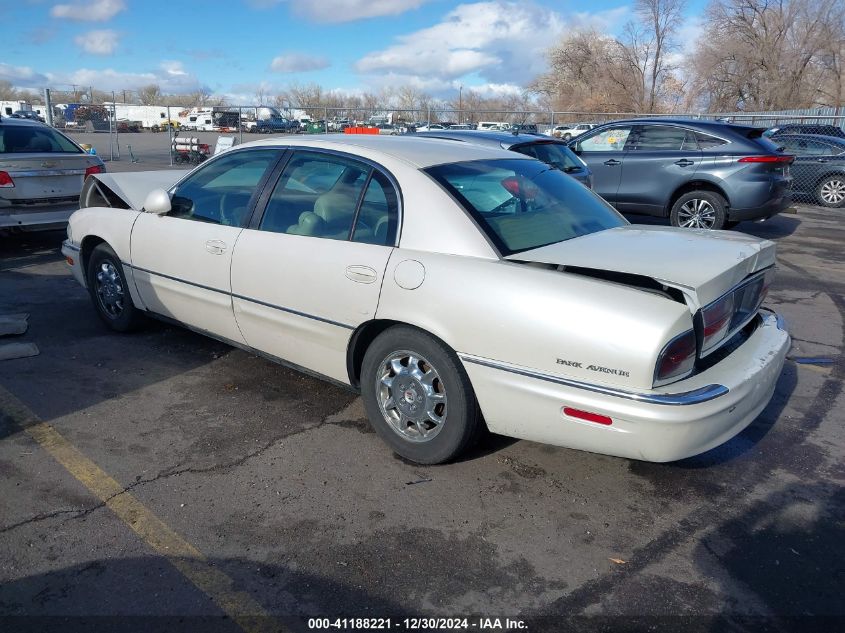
(238,605)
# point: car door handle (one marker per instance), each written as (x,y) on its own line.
(361,274)
(821,160)
(684,162)
(612,162)
(215,247)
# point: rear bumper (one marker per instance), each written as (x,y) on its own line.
(707,409)
(768,210)
(41,217)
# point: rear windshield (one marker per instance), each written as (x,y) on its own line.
(554,154)
(524,204)
(32,139)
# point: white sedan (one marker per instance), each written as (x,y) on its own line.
(456,286)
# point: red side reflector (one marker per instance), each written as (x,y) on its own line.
(587,415)
(69,260)
(6,180)
(95,169)
(785,158)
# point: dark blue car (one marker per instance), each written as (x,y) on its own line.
(819,168)
(699,174)
(548,150)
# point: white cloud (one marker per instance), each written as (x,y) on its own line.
(343,10)
(101,42)
(91,11)
(502,42)
(174,69)
(297,63)
(22,76)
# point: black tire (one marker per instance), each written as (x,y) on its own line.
(711,214)
(461,417)
(830,192)
(110,292)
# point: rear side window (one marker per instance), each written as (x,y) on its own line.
(23,139)
(378,214)
(657,138)
(706,141)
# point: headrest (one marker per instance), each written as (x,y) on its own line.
(336,209)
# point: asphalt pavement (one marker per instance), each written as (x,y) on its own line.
(175,483)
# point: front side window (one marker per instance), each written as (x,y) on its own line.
(523,204)
(23,139)
(316,195)
(221,190)
(610,139)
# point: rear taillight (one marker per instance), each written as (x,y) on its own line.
(6,180)
(677,358)
(717,321)
(94,169)
(782,158)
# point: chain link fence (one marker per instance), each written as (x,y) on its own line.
(160,136)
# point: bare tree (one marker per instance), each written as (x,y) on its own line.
(659,20)
(149,94)
(769,54)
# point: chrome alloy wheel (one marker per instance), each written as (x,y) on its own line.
(697,214)
(411,396)
(832,192)
(109,289)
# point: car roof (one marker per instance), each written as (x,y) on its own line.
(490,137)
(704,123)
(7,120)
(413,149)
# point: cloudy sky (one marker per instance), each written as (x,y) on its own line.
(235,47)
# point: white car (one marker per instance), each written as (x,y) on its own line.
(567,132)
(430,127)
(455,285)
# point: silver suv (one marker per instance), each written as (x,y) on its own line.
(699,174)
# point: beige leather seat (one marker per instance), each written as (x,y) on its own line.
(331,218)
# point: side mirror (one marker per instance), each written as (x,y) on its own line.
(158,202)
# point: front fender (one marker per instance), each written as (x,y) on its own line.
(94,225)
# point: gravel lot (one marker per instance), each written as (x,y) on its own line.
(276,480)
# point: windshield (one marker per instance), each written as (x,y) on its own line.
(524,204)
(555,154)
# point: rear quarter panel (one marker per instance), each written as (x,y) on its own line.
(533,317)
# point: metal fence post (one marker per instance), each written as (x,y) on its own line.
(170,136)
(48,105)
(326,121)
(240,126)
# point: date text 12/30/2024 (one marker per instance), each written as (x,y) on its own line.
(418,624)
